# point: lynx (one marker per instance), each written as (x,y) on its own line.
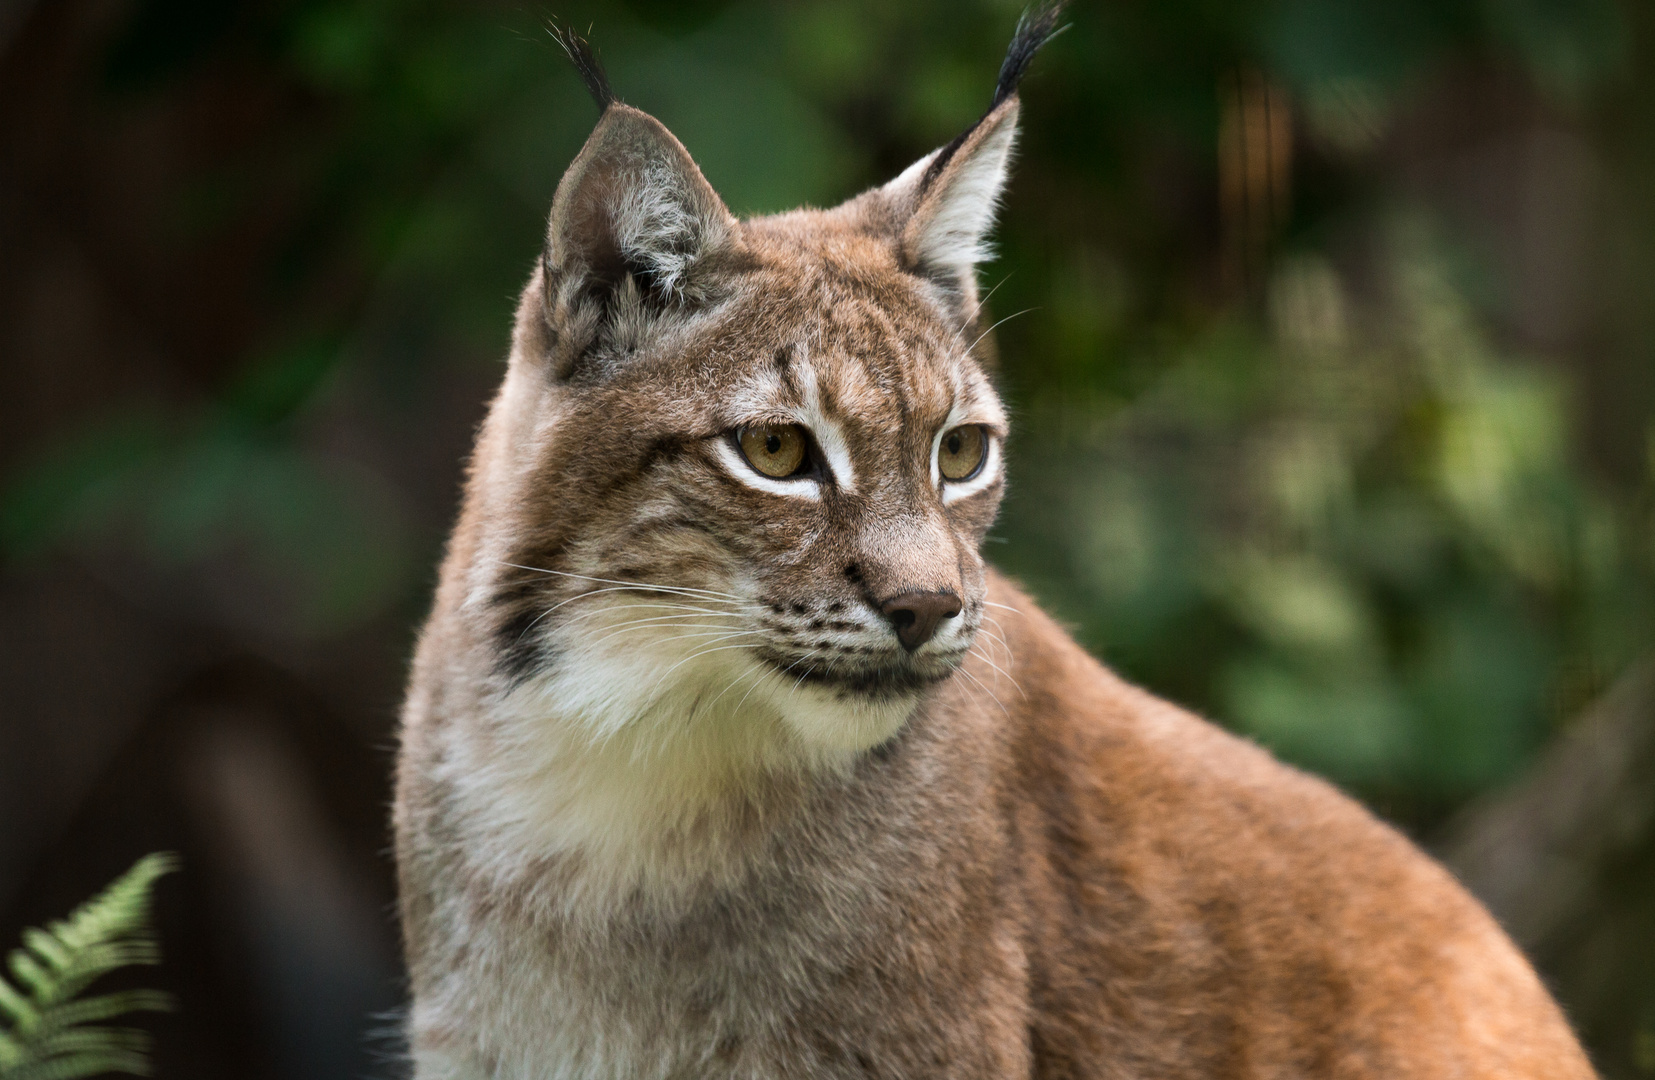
(726,755)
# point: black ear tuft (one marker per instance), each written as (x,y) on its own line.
(585,58)
(1037,26)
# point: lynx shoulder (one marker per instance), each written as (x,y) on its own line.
(726,755)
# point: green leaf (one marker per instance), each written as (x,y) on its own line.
(50,1037)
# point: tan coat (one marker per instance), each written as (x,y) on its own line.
(685,790)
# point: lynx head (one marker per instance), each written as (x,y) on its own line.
(734,486)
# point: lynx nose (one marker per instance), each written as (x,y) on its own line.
(915,615)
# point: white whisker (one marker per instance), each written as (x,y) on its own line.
(800,680)
(972,317)
(983,656)
(632,584)
(784,671)
(674,620)
(756,673)
(983,629)
(687,597)
(699,611)
(595,592)
(698,633)
(701,653)
(559,604)
(992,635)
(986,690)
(649,607)
(991,329)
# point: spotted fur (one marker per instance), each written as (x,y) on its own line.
(674,800)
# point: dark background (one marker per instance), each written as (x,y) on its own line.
(1330,343)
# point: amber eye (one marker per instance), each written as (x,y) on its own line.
(962,451)
(776,450)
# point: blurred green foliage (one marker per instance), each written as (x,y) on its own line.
(1377,556)
(1347,521)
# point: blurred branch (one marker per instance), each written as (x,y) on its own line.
(1536,852)
(1255,172)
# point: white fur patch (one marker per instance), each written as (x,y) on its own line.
(829,436)
(761,401)
(654,225)
(955,236)
(627,750)
(798,487)
(909,177)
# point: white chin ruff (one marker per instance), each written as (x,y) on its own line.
(614,749)
(825,721)
(701,692)
(647,690)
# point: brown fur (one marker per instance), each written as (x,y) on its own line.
(790,847)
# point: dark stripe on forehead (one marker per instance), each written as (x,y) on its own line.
(785,369)
(904,399)
(905,364)
(863,331)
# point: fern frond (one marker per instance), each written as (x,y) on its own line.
(44,1023)
(87,1052)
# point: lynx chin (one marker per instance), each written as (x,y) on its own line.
(726,755)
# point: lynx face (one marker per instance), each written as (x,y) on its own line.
(732,493)
(782,507)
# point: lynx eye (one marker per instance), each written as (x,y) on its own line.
(962,452)
(775,450)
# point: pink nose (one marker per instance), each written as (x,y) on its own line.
(915,615)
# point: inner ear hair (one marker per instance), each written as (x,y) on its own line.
(946,235)
(632,226)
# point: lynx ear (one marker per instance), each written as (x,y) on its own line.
(946,200)
(632,221)
(942,206)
